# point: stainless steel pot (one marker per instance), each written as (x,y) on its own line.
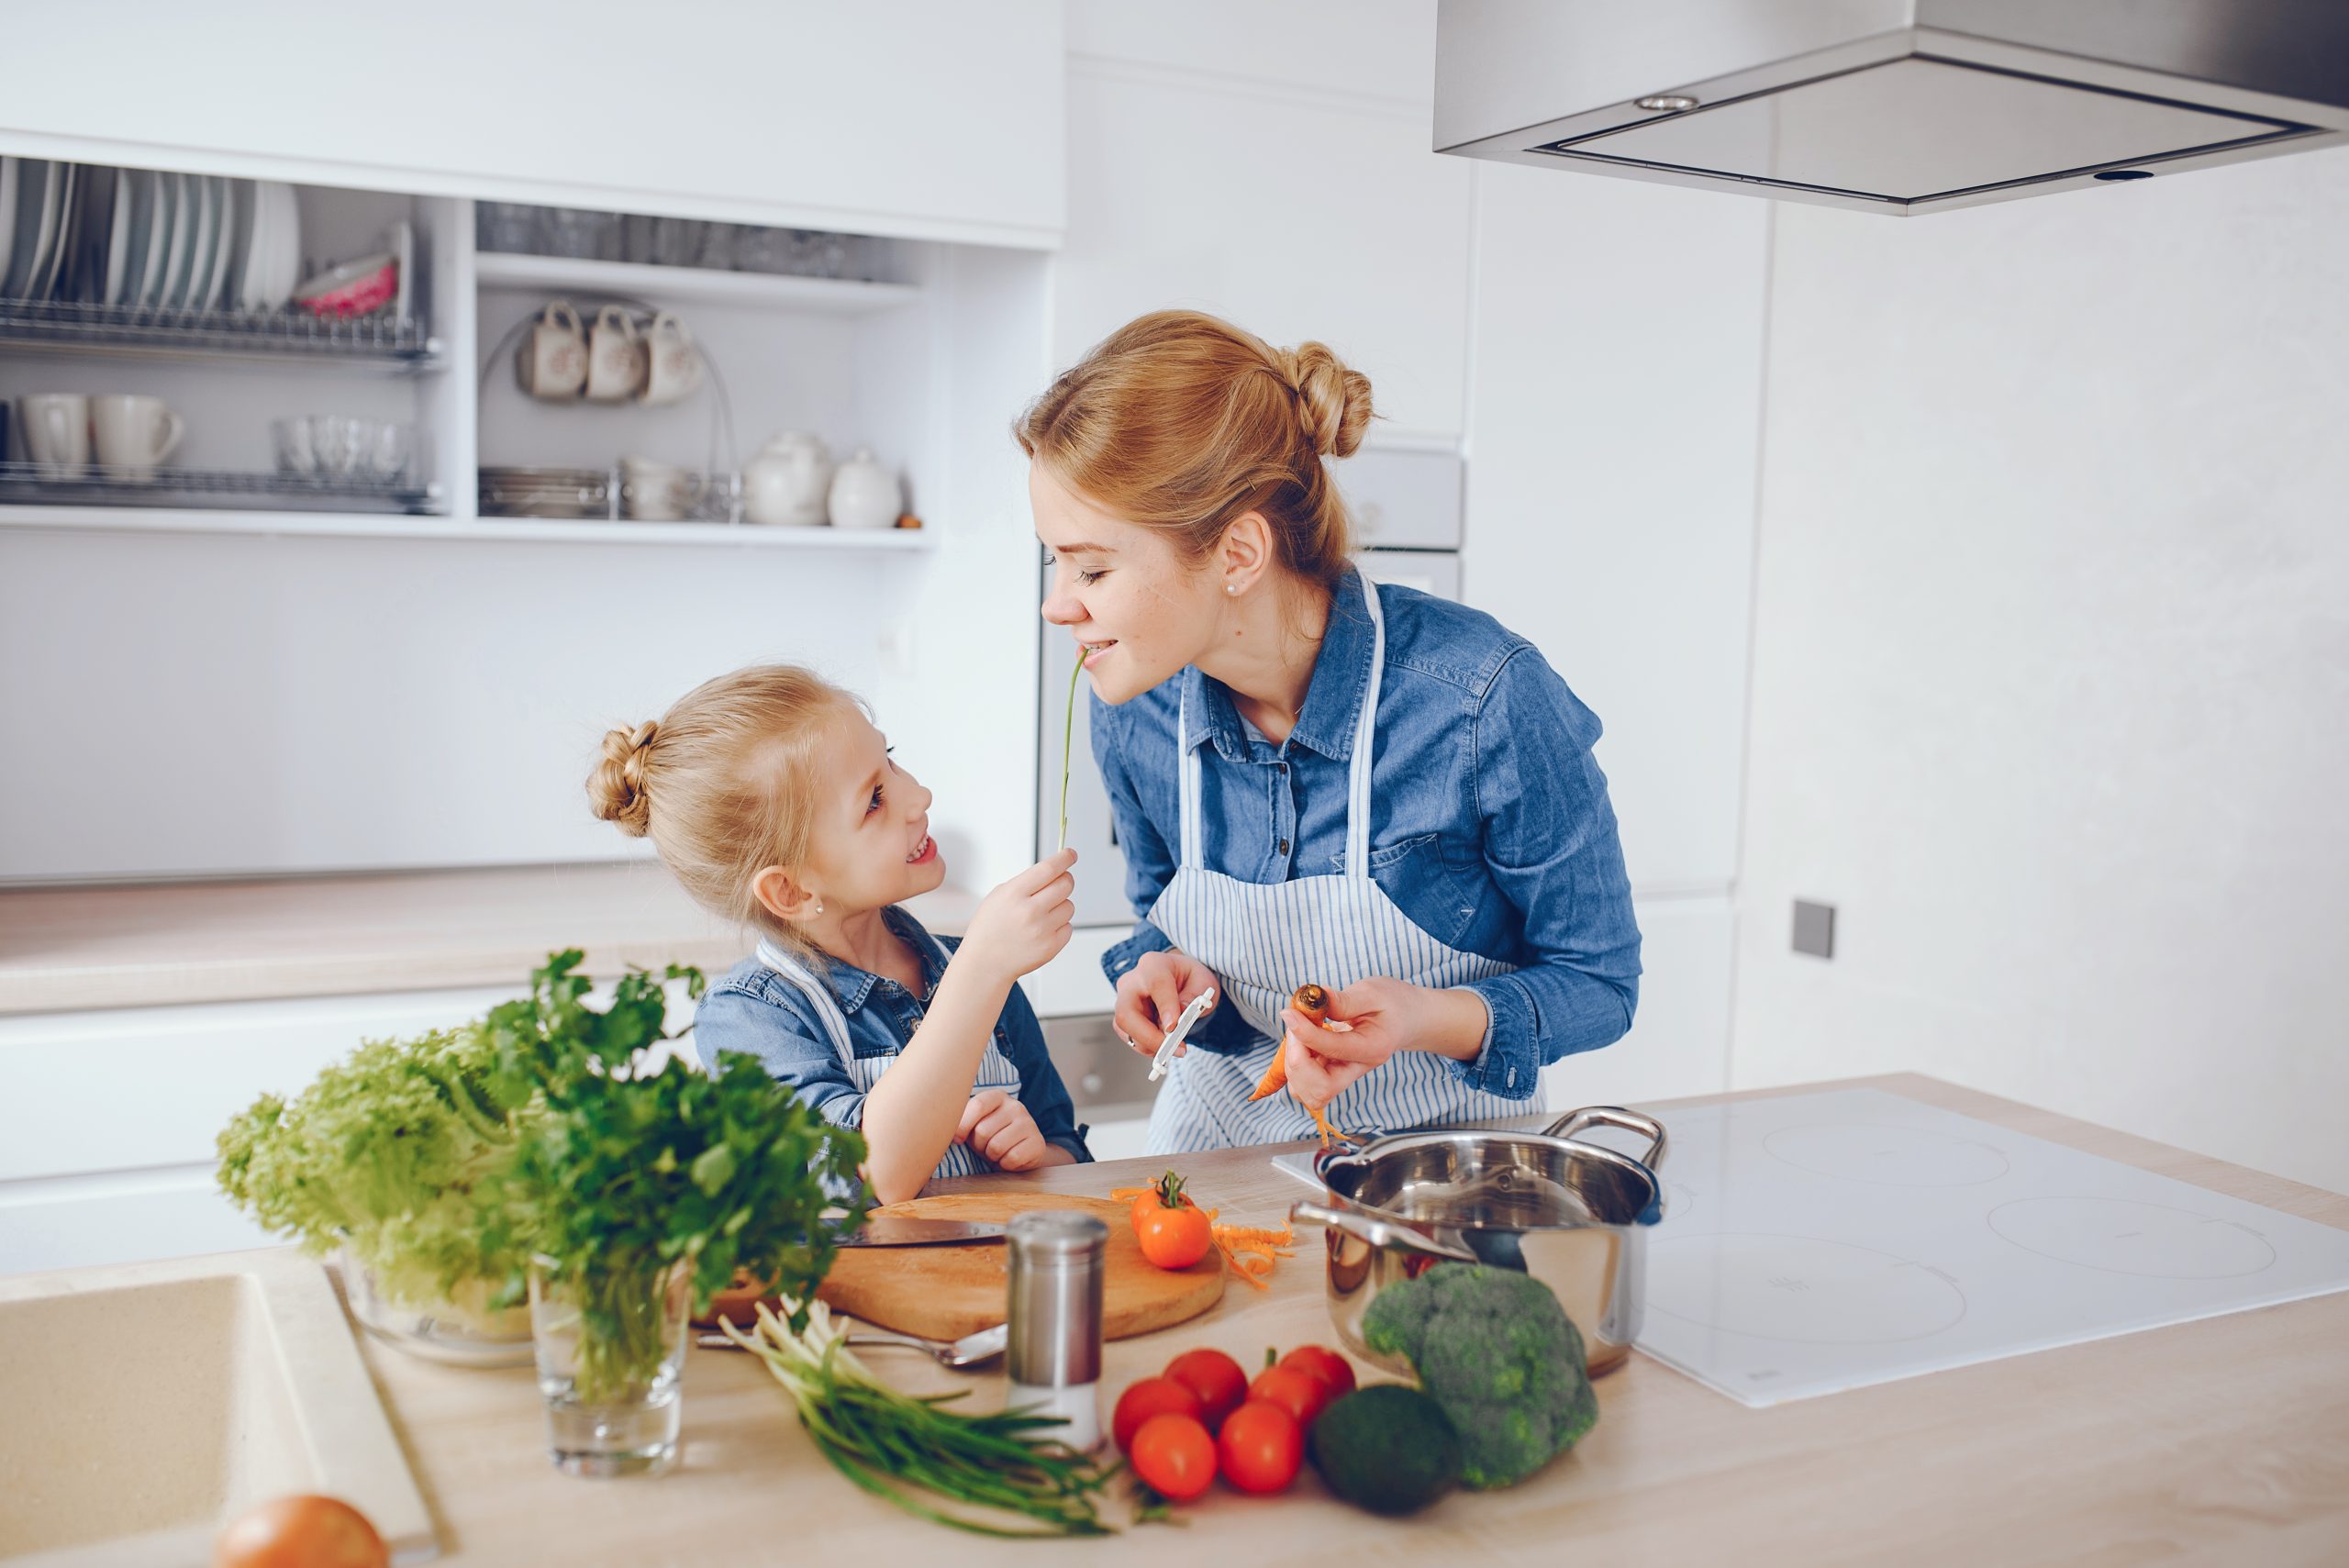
(1573,1214)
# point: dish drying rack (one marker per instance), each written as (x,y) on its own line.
(96,484)
(598,494)
(384,339)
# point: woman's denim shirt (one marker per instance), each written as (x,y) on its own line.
(755,1010)
(1490,826)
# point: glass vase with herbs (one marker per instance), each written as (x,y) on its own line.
(647,1186)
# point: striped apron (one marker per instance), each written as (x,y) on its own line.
(1265,939)
(996,1071)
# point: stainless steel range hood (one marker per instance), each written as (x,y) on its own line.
(1900,106)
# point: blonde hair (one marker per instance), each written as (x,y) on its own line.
(1181,422)
(724,783)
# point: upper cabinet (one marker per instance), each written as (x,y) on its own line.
(1248,185)
(926,118)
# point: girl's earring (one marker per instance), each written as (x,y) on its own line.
(819,906)
(1231,588)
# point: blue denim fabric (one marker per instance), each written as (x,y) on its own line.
(1490,826)
(757,1011)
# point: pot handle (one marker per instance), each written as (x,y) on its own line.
(1378,1232)
(1574,1122)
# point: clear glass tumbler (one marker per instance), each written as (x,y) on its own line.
(611,1352)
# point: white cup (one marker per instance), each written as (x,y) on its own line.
(674,367)
(615,357)
(135,432)
(552,361)
(55,431)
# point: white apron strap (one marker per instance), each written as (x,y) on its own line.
(1187,789)
(827,1007)
(1365,730)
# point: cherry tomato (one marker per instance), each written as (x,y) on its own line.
(1336,1373)
(1215,1378)
(1174,1456)
(306,1531)
(1174,1238)
(1298,1392)
(1152,1396)
(1261,1447)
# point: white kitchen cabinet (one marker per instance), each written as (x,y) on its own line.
(1293,213)
(1612,468)
(925,118)
(107,1120)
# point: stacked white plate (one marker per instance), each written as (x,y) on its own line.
(145,239)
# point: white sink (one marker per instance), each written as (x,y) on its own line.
(143,1407)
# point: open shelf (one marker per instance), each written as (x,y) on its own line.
(534,530)
(635,280)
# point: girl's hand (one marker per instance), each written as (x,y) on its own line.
(996,1125)
(1154,993)
(1022,924)
(1380,1017)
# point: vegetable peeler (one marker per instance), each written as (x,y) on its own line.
(1191,1015)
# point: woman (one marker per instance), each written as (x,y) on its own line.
(1314,779)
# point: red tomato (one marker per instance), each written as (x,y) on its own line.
(1152,1396)
(1215,1378)
(1261,1447)
(301,1532)
(1336,1373)
(1174,1457)
(1298,1392)
(1174,1237)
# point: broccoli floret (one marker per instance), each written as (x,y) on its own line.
(1494,1348)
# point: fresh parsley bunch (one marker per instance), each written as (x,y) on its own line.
(630,1172)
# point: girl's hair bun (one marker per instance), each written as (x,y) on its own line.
(615,789)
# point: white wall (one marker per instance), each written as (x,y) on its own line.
(2052,657)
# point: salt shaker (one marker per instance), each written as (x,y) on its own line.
(1058,1258)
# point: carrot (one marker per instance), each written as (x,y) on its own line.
(1314,1003)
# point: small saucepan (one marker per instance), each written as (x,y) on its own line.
(1573,1214)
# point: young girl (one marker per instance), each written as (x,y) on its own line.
(775,801)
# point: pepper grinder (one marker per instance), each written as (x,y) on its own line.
(1057,1259)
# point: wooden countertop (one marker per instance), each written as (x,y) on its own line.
(63,948)
(2223,1442)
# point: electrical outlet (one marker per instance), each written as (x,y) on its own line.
(1815,929)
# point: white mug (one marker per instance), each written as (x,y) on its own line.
(674,368)
(552,361)
(615,357)
(133,431)
(56,431)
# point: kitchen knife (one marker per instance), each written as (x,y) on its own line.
(889,1230)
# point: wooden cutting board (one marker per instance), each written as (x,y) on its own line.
(944,1293)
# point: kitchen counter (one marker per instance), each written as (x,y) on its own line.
(2220,1442)
(66,949)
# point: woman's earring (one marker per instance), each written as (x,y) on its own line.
(1231,588)
(819,906)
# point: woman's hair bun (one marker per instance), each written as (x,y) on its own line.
(1334,402)
(615,789)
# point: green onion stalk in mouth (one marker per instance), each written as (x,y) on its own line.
(1068,734)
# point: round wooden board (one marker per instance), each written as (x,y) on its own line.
(944,1293)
